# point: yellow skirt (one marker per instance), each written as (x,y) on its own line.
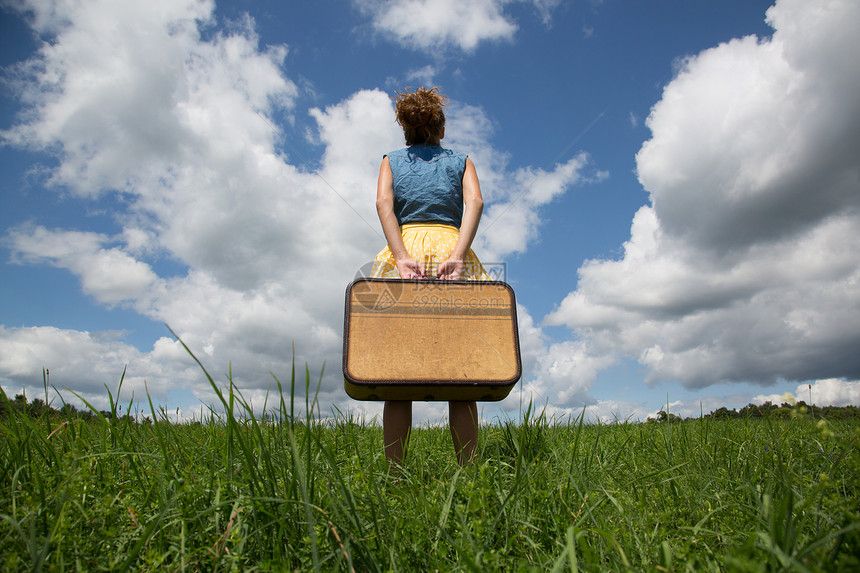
(430,244)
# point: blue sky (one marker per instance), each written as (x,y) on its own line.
(672,186)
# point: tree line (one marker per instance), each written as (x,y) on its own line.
(769,409)
(37,408)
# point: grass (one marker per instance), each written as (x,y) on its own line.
(275,492)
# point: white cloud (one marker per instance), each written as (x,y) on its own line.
(124,80)
(132,100)
(424,76)
(557,377)
(440,24)
(545,9)
(110,275)
(178,125)
(512,221)
(775,151)
(85,363)
(564,373)
(424,24)
(746,265)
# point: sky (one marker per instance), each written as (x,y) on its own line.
(671,188)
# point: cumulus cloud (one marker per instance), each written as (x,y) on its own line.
(86,363)
(423,75)
(132,100)
(424,24)
(441,24)
(121,81)
(110,275)
(745,265)
(136,102)
(545,9)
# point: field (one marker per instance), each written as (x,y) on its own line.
(237,492)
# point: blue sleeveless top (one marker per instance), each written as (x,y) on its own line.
(428,184)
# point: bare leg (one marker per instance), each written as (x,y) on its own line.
(396,423)
(463,419)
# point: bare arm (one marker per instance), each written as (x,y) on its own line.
(473,206)
(406,265)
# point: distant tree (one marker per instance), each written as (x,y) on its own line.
(785,410)
(750,411)
(37,408)
(69,411)
(780,413)
(723,413)
(20,403)
(664,417)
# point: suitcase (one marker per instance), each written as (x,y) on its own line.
(430,340)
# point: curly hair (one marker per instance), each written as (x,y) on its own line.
(420,115)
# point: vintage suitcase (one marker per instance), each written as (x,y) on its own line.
(430,340)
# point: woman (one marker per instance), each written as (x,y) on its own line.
(429,203)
